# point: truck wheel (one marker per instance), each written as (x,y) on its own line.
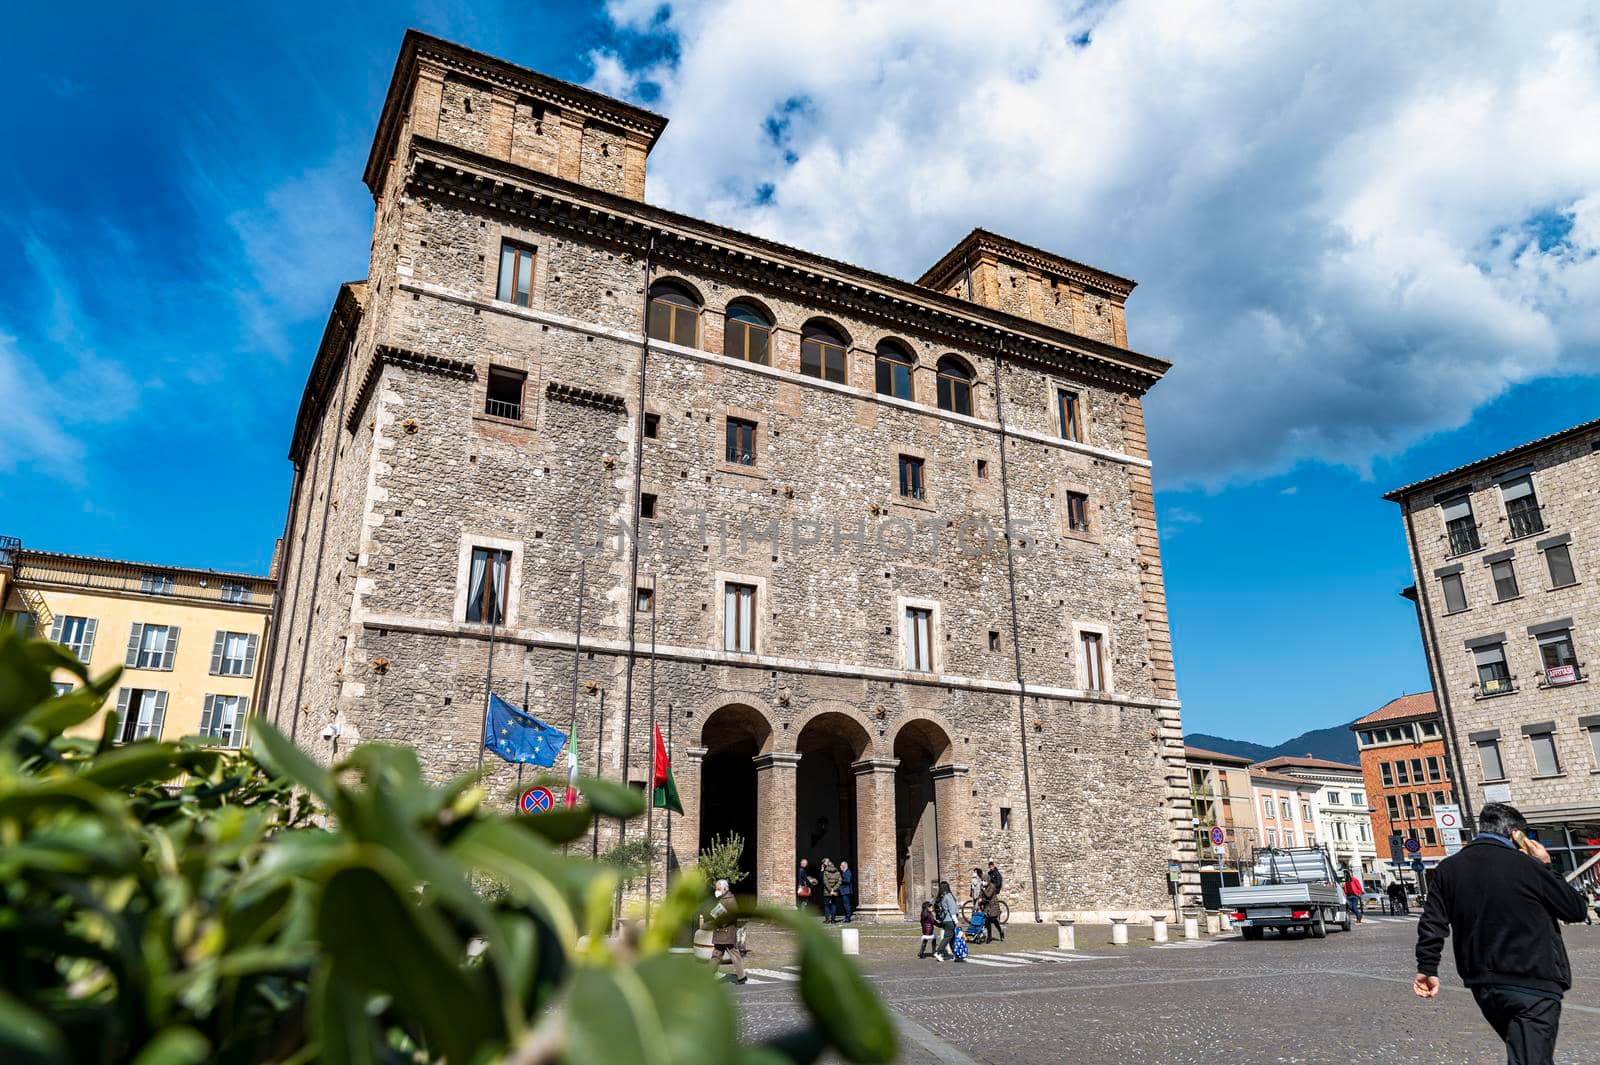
(1319,928)
(1251,933)
(1345,923)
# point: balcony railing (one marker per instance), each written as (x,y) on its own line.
(1463,536)
(9,545)
(95,574)
(1525,518)
(502,408)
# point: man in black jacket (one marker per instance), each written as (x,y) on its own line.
(1501,900)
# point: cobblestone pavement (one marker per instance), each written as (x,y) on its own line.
(1342,1000)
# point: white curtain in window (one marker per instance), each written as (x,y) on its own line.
(730,618)
(497,591)
(475,585)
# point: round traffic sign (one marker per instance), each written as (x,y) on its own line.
(1413,846)
(1449,820)
(1218,836)
(537,800)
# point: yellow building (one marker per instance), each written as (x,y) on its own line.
(191,641)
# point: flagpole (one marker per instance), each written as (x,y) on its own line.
(518,800)
(599,744)
(488,676)
(577,648)
(666,861)
(650,809)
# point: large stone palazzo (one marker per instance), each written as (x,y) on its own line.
(775,527)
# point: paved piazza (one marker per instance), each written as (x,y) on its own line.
(1341,1000)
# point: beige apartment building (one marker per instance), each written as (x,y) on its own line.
(1219,787)
(1287,807)
(1506,555)
(1339,808)
(189,641)
(628,466)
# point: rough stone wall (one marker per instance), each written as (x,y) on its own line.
(604,156)
(464,113)
(535,137)
(1566,479)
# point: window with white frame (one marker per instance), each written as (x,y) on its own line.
(1272,837)
(1092,651)
(1489,759)
(1386,774)
(919,638)
(1494,676)
(156,583)
(151,646)
(223,718)
(1358,798)
(739,618)
(235,592)
(61,687)
(1268,810)
(75,634)
(1283,806)
(140,713)
(1546,762)
(1335,798)
(1305,811)
(486,585)
(233,654)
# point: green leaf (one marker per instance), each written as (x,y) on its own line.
(837,996)
(385,942)
(345,1032)
(696,1014)
(175,1046)
(534,874)
(26,1036)
(137,763)
(286,760)
(666,1011)
(605,797)
(558,826)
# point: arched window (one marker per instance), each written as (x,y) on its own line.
(822,352)
(894,370)
(955,385)
(674,314)
(747,334)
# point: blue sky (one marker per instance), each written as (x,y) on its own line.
(1344,313)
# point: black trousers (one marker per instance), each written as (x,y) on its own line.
(1526,1021)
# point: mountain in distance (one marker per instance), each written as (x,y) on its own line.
(1337,744)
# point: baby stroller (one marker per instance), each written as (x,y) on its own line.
(974,930)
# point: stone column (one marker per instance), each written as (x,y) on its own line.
(502,116)
(571,139)
(775,850)
(875,844)
(686,827)
(427,98)
(952,800)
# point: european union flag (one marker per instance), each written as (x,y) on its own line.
(519,737)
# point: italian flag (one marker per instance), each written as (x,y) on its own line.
(572,770)
(665,789)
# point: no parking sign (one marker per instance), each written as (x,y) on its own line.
(537,800)
(1447,817)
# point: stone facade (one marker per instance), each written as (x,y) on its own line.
(610,485)
(1505,552)
(1406,770)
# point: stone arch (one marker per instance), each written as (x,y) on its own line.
(916,729)
(734,738)
(928,809)
(737,724)
(830,743)
(867,746)
(668,282)
(755,303)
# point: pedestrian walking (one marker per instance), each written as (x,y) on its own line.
(995,877)
(976,887)
(830,890)
(1502,901)
(847,890)
(991,913)
(722,918)
(804,883)
(1353,895)
(926,949)
(948,912)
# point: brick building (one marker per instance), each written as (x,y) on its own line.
(1339,807)
(1505,551)
(772,527)
(1407,773)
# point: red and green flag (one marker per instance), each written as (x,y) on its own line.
(664,787)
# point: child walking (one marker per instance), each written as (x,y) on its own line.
(925,949)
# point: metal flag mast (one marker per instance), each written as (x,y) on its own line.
(488,676)
(650,786)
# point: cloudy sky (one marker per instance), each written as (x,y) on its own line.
(1365,237)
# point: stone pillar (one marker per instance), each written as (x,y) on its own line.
(633,163)
(875,843)
(776,858)
(952,800)
(1158,927)
(686,828)
(1066,935)
(1191,928)
(1119,931)
(426,99)
(502,116)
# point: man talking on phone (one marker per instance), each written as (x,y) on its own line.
(1502,901)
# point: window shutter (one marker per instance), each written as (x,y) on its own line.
(88,640)
(133,645)
(236,736)
(55,629)
(250,655)
(159,716)
(217,646)
(122,712)
(205,715)
(172,647)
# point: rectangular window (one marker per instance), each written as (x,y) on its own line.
(1545,762)
(647,505)
(1358,798)
(1272,837)
(911,485)
(821,358)
(1494,676)
(1455,593)
(1433,770)
(223,717)
(1558,559)
(652,425)
(1429,728)
(233,654)
(75,634)
(486,585)
(739,618)
(644,600)
(516,274)
(1460,526)
(741,442)
(234,592)
(1068,414)
(62,687)
(919,638)
(994,640)
(1283,806)
(140,712)
(156,583)
(1429,836)
(1594,744)
(1268,810)
(1005,818)
(1558,659)
(1401,776)
(20,622)
(151,646)
(1077,512)
(1094,665)
(1335,798)
(1394,807)
(1386,773)
(1522,507)
(1423,808)
(1409,804)
(1416,771)
(1505,579)
(504,398)
(1305,812)
(1489,760)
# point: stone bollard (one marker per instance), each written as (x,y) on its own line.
(1213,924)
(1066,935)
(1191,928)
(1119,931)
(1225,921)
(850,940)
(1158,928)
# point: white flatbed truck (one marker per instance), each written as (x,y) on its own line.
(1296,887)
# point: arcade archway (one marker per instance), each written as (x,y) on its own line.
(825,788)
(733,736)
(920,747)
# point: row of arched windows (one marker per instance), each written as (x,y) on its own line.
(747,334)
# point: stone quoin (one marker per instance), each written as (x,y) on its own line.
(801,484)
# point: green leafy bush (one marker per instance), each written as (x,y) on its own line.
(175,903)
(720,860)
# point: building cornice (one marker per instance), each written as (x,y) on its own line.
(981,242)
(337,336)
(1520,453)
(389,355)
(445,171)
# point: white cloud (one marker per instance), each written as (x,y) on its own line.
(1356,225)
